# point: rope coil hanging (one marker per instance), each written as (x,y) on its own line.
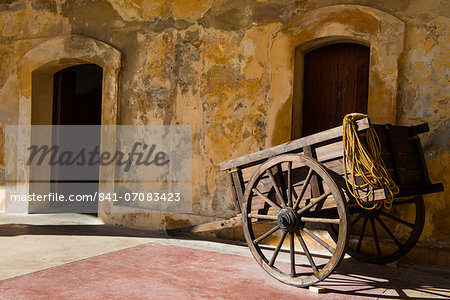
(365,164)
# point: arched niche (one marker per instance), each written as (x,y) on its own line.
(35,74)
(382,32)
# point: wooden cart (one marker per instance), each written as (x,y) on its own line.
(291,193)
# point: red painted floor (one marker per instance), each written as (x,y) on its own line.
(155,271)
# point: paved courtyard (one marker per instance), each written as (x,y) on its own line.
(75,257)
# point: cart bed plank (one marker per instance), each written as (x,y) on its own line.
(257,157)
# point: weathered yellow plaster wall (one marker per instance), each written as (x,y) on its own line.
(208,63)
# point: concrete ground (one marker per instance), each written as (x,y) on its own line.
(76,257)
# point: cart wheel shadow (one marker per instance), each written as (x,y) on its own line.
(357,278)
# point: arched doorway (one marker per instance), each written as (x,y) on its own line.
(381,32)
(335,83)
(36,74)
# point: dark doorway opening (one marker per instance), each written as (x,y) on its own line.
(335,83)
(77,96)
(77,100)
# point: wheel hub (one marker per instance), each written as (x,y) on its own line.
(288,219)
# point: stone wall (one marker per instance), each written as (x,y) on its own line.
(209,63)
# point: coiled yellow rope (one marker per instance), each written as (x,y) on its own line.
(366,164)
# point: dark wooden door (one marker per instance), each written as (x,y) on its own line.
(77,95)
(77,102)
(335,83)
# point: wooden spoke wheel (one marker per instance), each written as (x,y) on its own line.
(285,200)
(384,235)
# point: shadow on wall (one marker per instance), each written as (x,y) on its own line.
(8,230)
(2,195)
(2,168)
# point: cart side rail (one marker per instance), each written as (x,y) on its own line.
(321,138)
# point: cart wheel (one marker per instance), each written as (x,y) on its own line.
(283,185)
(400,227)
